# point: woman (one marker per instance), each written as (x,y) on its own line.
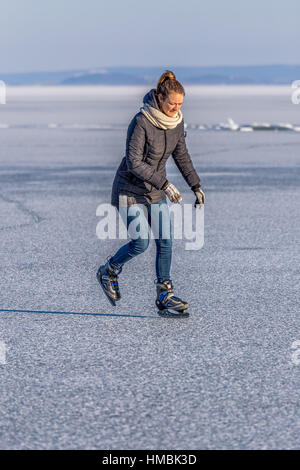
(154,133)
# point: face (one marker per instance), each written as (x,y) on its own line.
(172,104)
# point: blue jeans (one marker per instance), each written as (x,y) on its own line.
(138,219)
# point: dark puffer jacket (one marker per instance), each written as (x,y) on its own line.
(142,171)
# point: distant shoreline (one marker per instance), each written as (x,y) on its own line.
(147,76)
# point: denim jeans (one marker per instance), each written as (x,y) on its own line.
(138,219)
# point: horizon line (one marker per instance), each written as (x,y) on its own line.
(149,67)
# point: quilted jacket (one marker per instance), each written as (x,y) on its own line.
(142,171)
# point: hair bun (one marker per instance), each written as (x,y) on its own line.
(169,75)
(168,83)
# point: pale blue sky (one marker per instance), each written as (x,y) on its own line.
(73,34)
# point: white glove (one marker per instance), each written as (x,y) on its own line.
(172,192)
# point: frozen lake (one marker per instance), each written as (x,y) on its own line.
(225,378)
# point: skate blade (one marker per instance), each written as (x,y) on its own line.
(173,314)
(112,301)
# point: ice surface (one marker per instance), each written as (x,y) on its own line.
(223,378)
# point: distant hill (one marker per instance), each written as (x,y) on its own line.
(229,75)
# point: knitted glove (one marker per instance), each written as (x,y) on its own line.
(172,192)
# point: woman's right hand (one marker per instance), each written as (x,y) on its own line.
(172,192)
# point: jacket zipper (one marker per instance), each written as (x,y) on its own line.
(165,132)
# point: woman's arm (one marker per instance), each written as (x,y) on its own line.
(184,162)
(136,139)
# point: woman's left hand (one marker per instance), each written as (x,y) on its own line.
(200,198)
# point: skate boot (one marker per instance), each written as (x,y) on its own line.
(167,303)
(107,276)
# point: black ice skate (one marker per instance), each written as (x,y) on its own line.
(107,276)
(167,303)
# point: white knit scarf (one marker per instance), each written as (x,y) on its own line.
(159,119)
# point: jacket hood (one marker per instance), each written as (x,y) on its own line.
(150,99)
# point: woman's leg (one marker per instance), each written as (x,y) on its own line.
(166,301)
(162,229)
(138,245)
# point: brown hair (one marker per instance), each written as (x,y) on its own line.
(168,84)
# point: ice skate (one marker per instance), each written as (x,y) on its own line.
(107,276)
(167,303)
